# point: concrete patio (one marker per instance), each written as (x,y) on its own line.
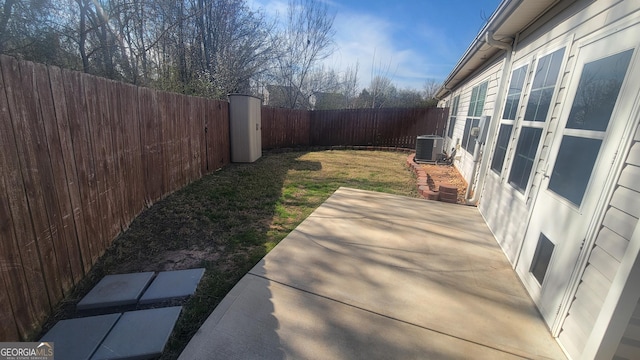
(378,276)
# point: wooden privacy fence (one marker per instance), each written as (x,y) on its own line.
(283,128)
(358,127)
(80,157)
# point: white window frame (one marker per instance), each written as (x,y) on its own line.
(455,107)
(520,122)
(504,168)
(471,117)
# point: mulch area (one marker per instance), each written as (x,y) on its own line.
(439,181)
(445,175)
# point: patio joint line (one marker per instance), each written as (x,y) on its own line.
(390,317)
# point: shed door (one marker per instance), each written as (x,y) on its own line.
(582,155)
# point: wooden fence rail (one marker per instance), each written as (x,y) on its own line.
(80,157)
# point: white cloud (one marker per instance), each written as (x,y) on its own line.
(370,41)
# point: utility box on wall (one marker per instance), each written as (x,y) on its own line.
(245,127)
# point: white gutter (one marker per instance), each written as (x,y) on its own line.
(504,10)
(488,38)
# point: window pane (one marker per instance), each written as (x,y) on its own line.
(524,156)
(501,147)
(573,167)
(510,107)
(452,125)
(517,80)
(538,105)
(544,82)
(554,67)
(454,113)
(541,258)
(541,72)
(532,105)
(598,91)
(454,107)
(476,105)
(468,141)
(482,94)
(513,95)
(472,103)
(465,134)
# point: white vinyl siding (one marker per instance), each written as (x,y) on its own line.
(507,211)
(490,74)
(504,208)
(611,244)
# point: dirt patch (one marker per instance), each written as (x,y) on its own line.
(183,259)
(445,174)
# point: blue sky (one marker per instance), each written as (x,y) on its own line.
(411,40)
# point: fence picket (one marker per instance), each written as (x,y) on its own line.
(34,238)
(15,231)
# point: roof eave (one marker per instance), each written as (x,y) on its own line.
(520,13)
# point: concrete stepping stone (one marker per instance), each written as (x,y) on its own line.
(140,334)
(78,339)
(171,285)
(116,290)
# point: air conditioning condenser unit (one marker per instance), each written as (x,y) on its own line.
(429,148)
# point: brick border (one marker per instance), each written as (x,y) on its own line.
(427,188)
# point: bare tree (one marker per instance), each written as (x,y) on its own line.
(429,91)
(237,44)
(381,90)
(200,47)
(349,86)
(307,39)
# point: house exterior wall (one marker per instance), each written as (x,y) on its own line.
(560,29)
(616,231)
(507,210)
(490,73)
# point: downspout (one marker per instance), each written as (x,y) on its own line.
(495,120)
